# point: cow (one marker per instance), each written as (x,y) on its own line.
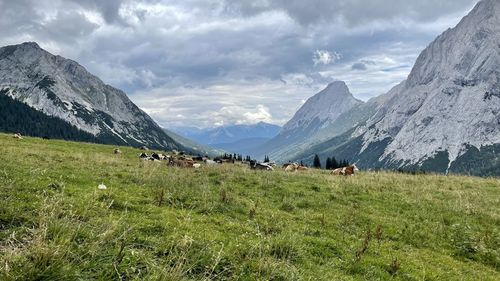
(345,171)
(18,136)
(302,168)
(143,155)
(117,151)
(158,156)
(198,158)
(254,165)
(210,162)
(291,167)
(181,163)
(145,148)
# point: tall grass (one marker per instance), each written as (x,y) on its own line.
(155,222)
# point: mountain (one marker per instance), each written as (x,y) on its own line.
(194,146)
(243,146)
(446,116)
(317,113)
(235,138)
(62,88)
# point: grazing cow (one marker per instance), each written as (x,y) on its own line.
(18,136)
(117,151)
(143,155)
(345,171)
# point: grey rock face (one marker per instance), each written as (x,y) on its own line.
(63,88)
(450,100)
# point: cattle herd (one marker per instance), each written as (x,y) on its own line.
(179,159)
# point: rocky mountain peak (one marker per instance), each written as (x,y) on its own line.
(63,88)
(467,52)
(338,85)
(322,109)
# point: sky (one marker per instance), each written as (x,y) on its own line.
(206,63)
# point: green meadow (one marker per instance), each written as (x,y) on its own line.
(155,222)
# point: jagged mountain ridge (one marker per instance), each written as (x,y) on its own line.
(447,111)
(62,88)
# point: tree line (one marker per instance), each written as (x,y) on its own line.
(331,163)
(17,117)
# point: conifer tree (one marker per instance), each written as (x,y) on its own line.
(316,162)
(335,164)
(328,164)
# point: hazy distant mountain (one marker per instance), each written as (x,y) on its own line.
(446,116)
(196,148)
(62,88)
(235,138)
(244,146)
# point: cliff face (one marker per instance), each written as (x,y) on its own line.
(62,88)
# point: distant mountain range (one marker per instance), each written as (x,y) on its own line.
(239,139)
(445,117)
(63,90)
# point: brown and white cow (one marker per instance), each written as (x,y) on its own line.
(302,168)
(291,167)
(345,171)
(181,163)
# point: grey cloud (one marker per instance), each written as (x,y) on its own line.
(69,25)
(109,9)
(354,12)
(359,66)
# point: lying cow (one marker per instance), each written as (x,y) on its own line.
(18,136)
(210,162)
(302,168)
(345,171)
(158,156)
(181,163)
(146,157)
(254,165)
(291,167)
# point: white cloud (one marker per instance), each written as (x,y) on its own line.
(325,57)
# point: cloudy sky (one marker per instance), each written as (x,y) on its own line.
(219,62)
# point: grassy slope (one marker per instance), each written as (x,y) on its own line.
(232,223)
